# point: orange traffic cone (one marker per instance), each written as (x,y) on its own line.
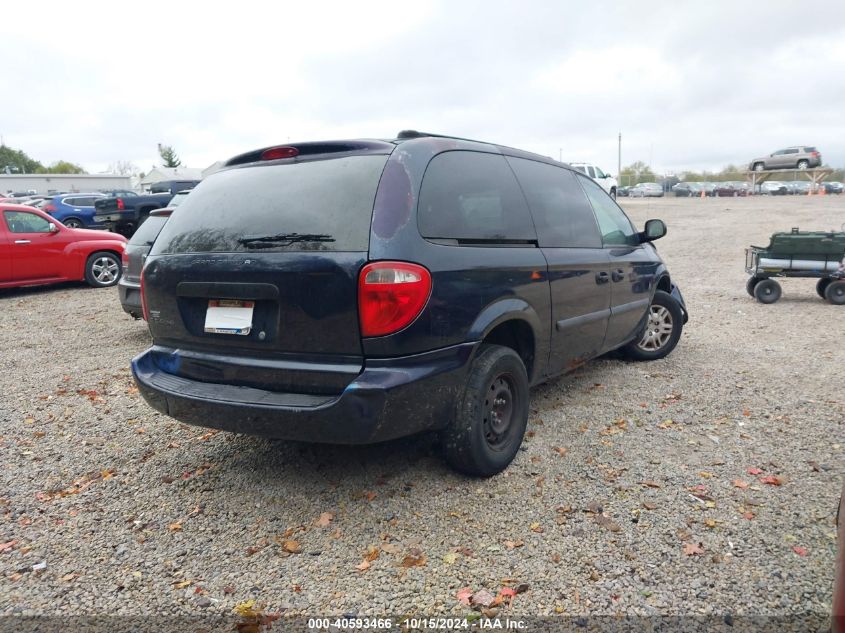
(703,193)
(810,190)
(821,189)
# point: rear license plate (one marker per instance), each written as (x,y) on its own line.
(229,316)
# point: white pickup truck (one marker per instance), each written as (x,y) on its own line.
(607,182)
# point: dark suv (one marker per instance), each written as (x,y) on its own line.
(358,291)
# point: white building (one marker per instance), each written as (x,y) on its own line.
(157,174)
(59,183)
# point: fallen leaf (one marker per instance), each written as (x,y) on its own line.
(711,523)
(651,484)
(369,496)
(70,577)
(482,598)
(772,480)
(753,471)
(464,595)
(560,450)
(514,544)
(608,523)
(415,558)
(450,558)
(748,515)
(364,566)
(799,550)
(648,505)
(372,553)
(7,545)
(175,527)
(693,549)
(247,609)
(391,548)
(325,519)
(746,412)
(705,474)
(182,584)
(291,547)
(739,483)
(536,527)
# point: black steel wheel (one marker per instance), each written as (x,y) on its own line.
(767,291)
(821,286)
(491,414)
(835,292)
(751,284)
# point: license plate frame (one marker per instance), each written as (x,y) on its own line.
(229,316)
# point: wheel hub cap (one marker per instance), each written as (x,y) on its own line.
(658,330)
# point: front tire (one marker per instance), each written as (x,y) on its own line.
(491,414)
(803,164)
(835,293)
(759,166)
(73,223)
(821,286)
(767,291)
(662,331)
(102,269)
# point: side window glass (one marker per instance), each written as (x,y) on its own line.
(615,227)
(600,173)
(23,222)
(591,172)
(472,196)
(561,211)
(580,168)
(71,202)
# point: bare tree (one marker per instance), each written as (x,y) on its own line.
(123,168)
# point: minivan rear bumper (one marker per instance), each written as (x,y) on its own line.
(390,398)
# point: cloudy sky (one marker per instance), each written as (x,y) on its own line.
(690,85)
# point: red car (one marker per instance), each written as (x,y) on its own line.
(35,249)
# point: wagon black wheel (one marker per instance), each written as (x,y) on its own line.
(767,291)
(821,286)
(835,293)
(751,284)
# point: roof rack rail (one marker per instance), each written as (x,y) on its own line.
(408,134)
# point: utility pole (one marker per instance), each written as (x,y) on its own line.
(619,157)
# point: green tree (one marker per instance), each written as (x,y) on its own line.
(168,156)
(61,167)
(636,173)
(17,162)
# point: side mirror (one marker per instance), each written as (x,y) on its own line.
(52,228)
(654,230)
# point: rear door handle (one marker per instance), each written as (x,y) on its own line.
(618,275)
(22,241)
(602,278)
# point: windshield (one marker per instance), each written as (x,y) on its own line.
(316,205)
(178,199)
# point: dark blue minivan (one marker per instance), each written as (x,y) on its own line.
(359,291)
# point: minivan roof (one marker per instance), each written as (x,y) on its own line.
(380,146)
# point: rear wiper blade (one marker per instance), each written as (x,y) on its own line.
(268,241)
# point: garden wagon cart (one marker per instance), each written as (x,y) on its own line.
(809,254)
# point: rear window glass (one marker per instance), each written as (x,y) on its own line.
(272,207)
(148,231)
(472,196)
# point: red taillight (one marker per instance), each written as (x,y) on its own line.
(49,208)
(814,154)
(274,153)
(124,259)
(120,205)
(144,310)
(390,296)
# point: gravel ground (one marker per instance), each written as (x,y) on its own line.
(629,496)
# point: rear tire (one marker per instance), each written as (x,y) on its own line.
(491,414)
(751,284)
(803,164)
(73,223)
(759,166)
(767,291)
(835,293)
(821,286)
(662,331)
(102,269)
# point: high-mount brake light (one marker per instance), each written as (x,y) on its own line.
(391,295)
(275,153)
(120,205)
